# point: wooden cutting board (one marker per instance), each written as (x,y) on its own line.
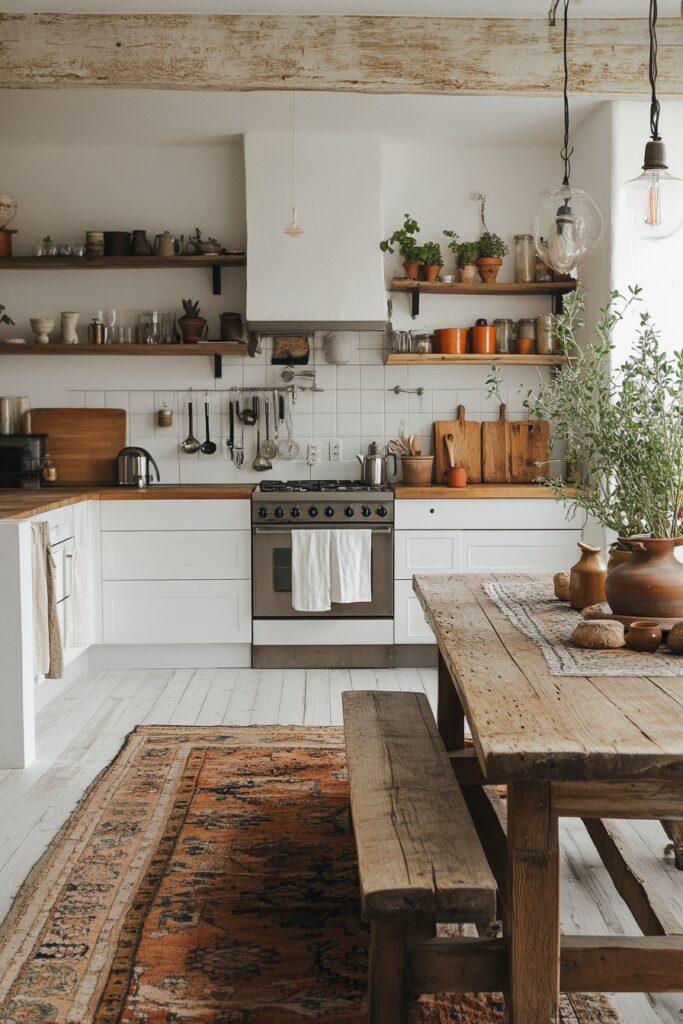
(496,449)
(467,444)
(529,441)
(83,443)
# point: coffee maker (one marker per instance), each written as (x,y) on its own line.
(21,456)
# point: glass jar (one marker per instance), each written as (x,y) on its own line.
(504,336)
(526,328)
(525,259)
(423,344)
(547,342)
(48,470)
(542,271)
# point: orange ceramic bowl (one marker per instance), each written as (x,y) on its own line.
(451,340)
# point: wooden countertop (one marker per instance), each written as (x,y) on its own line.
(403,493)
(20,504)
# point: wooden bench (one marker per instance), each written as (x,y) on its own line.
(419,858)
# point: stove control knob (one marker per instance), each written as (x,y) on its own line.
(366,511)
(295,513)
(382,511)
(349,511)
(313,511)
(329,511)
(279,512)
(263,512)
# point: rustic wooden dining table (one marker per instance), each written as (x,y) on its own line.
(596,748)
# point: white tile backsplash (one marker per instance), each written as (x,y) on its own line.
(356,406)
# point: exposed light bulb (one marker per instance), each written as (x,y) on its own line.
(655,198)
(568,225)
(293,229)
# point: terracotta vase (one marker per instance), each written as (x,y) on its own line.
(193,329)
(616,557)
(488,267)
(650,582)
(468,273)
(411,270)
(431,272)
(456,476)
(587,578)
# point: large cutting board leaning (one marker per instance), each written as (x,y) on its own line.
(83,443)
(466,446)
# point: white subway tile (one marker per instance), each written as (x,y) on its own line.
(348,377)
(141,401)
(94,400)
(141,425)
(371,356)
(372,423)
(372,400)
(371,377)
(117,400)
(348,424)
(324,425)
(348,401)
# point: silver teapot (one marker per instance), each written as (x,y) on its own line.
(374,465)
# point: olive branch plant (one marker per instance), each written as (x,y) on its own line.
(624,428)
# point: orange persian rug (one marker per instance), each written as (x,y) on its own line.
(208,877)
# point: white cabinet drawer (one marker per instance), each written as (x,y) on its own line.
(60,522)
(481,514)
(176,555)
(176,514)
(177,612)
(426,551)
(409,621)
(519,550)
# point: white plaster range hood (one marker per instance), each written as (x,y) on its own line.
(331,276)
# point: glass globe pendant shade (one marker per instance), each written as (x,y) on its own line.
(568,225)
(293,229)
(655,198)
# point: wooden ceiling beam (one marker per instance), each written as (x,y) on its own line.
(447,56)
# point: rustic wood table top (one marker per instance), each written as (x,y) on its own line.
(529,724)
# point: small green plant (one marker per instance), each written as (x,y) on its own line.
(467,254)
(453,244)
(191,309)
(404,238)
(492,246)
(429,254)
(4,318)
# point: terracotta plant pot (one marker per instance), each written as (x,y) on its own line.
(525,346)
(431,272)
(488,267)
(411,270)
(456,476)
(451,340)
(193,329)
(617,557)
(650,583)
(468,273)
(587,578)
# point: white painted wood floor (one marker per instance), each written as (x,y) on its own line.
(82,729)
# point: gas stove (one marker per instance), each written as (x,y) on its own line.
(321,502)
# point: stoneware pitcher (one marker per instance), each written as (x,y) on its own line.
(587,578)
(650,583)
(166,245)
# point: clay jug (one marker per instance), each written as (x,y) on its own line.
(587,578)
(650,583)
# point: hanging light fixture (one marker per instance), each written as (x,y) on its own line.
(655,198)
(293,229)
(568,223)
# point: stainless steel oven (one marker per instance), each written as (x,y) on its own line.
(275,515)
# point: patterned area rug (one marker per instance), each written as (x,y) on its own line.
(530,606)
(208,877)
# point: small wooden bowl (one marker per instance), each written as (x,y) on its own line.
(644,635)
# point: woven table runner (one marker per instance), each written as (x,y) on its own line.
(530,606)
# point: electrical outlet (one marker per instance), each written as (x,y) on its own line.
(335,450)
(313,454)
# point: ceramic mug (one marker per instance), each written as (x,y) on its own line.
(456,476)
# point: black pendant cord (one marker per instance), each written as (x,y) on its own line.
(652,70)
(566,152)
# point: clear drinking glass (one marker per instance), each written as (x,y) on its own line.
(167,328)
(110,317)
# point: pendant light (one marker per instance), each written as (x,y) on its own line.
(568,223)
(293,229)
(655,198)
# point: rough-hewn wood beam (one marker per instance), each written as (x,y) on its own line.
(341,54)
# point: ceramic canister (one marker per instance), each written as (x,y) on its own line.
(483,338)
(339,346)
(451,340)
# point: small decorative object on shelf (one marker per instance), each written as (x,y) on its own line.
(48,470)
(492,248)
(192,324)
(42,329)
(417,470)
(201,246)
(525,259)
(483,338)
(504,335)
(5,318)
(587,578)
(69,322)
(8,209)
(165,416)
(139,245)
(406,241)
(116,243)
(423,344)
(165,245)
(430,259)
(97,329)
(599,635)
(547,342)
(94,244)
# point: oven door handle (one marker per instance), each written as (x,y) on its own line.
(260,530)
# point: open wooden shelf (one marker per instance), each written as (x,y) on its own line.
(216,349)
(214,262)
(555,289)
(436,358)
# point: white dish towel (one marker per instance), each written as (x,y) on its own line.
(351,566)
(311,570)
(79,620)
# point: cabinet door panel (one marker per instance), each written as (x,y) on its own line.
(176,555)
(519,550)
(176,514)
(409,622)
(426,551)
(177,612)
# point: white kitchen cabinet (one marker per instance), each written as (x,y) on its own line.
(176,611)
(409,622)
(519,550)
(176,514)
(176,555)
(426,551)
(481,514)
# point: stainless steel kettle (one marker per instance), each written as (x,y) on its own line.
(133,467)
(374,465)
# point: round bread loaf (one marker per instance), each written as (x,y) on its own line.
(561,586)
(675,641)
(599,635)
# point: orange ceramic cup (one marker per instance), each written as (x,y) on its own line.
(456,477)
(451,340)
(525,346)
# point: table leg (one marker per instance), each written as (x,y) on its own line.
(450,717)
(674,830)
(533,912)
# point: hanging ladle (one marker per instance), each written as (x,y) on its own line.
(191,444)
(209,446)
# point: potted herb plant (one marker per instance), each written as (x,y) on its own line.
(431,260)
(625,429)
(491,248)
(4,318)
(405,239)
(467,261)
(192,324)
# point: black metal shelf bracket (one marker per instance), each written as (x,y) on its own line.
(216,278)
(415,302)
(217,367)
